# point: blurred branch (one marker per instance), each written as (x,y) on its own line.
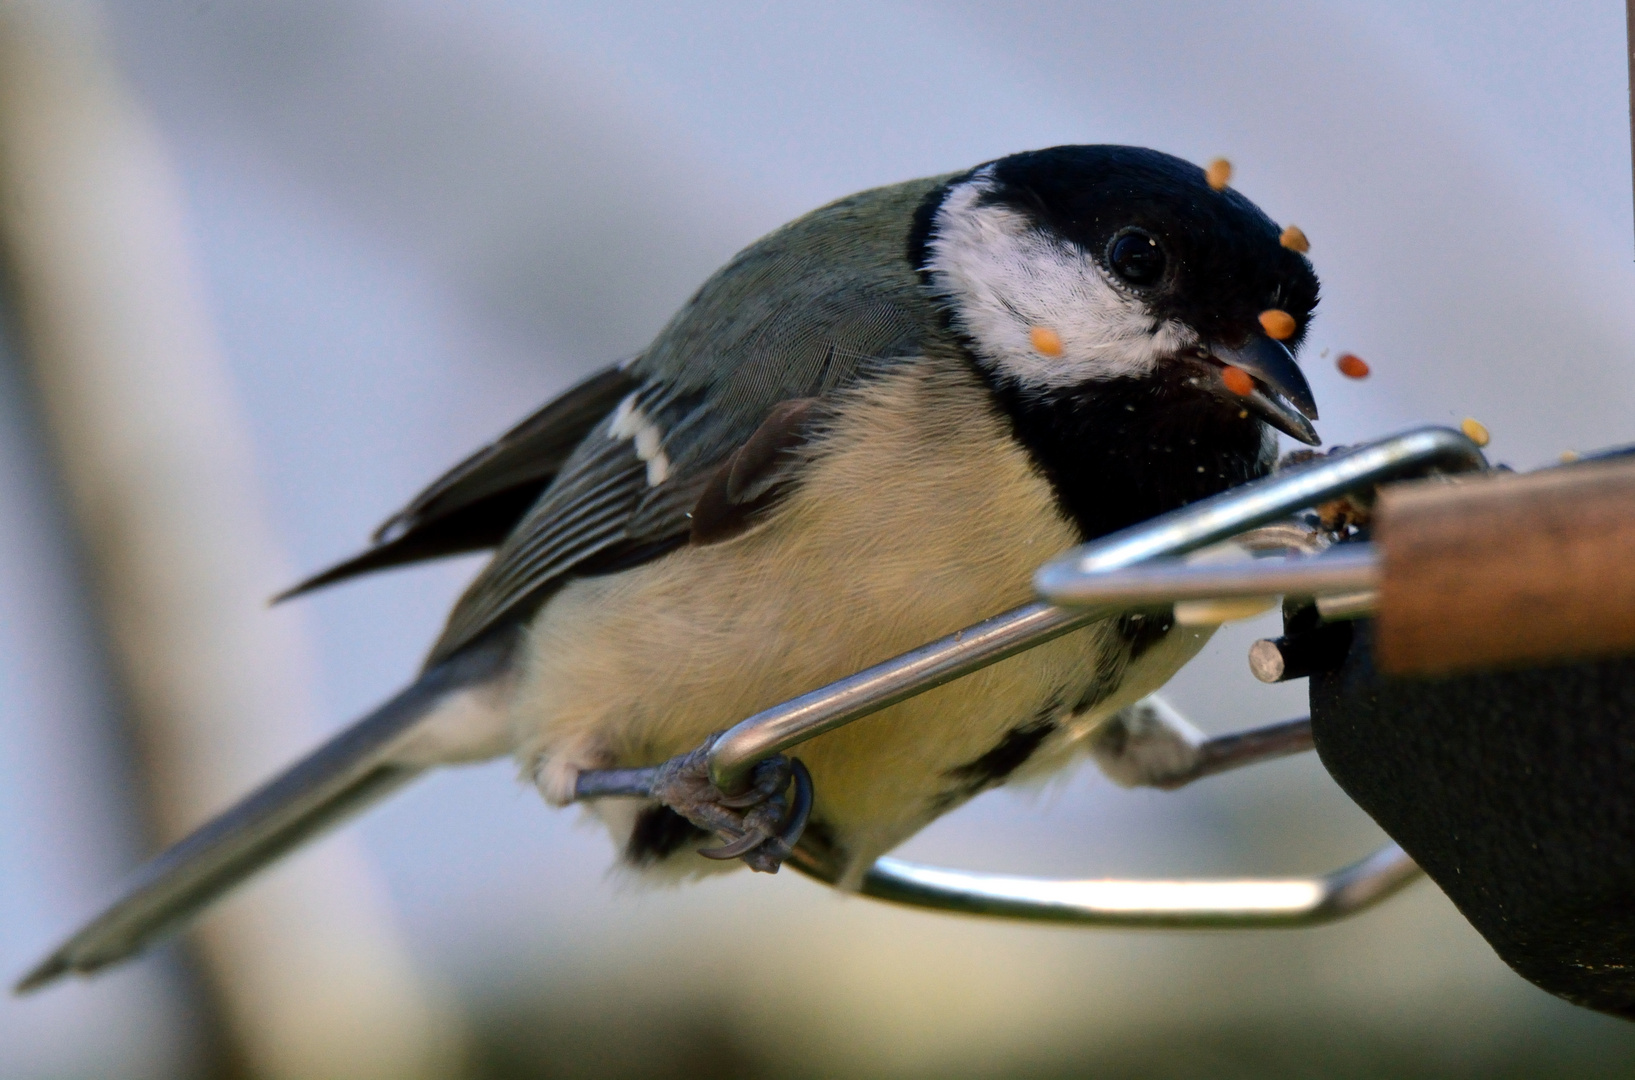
(158,471)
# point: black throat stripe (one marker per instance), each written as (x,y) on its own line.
(1125,450)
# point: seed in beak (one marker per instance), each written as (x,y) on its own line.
(1279,325)
(1352,366)
(1219,174)
(1237,380)
(1047,341)
(1295,240)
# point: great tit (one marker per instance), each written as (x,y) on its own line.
(864,432)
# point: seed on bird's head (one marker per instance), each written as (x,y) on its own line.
(1046,340)
(1352,366)
(1295,240)
(1569,456)
(1475,431)
(1237,380)
(1277,324)
(1219,174)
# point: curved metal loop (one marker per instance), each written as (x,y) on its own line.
(1242,902)
(1225,903)
(1345,570)
(775,730)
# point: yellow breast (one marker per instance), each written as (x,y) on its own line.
(919,514)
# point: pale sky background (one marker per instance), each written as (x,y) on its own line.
(416,220)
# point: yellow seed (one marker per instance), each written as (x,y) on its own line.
(1569,456)
(1046,340)
(1295,240)
(1277,324)
(1474,431)
(1219,173)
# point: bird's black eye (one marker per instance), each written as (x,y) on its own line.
(1136,257)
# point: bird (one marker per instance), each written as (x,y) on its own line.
(864,432)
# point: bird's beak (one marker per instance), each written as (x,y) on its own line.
(1282,397)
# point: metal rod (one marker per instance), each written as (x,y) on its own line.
(1224,753)
(775,730)
(1161,582)
(1212,520)
(1228,903)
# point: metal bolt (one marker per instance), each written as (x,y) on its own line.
(1266,660)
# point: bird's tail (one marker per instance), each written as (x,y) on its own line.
(340,778)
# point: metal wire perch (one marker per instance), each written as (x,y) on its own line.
(1136,569)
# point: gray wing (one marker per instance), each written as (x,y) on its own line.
(800,314)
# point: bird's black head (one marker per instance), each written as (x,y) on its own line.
(1106,293)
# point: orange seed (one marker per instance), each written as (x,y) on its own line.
(1475,431)
(1277,324)
(1219,174)
(1352,366)
(1237,380)
(1046,340)
(1295,240)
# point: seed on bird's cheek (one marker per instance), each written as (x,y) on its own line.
(1047,341)
(1279,325)
(1295,240)
(1475,431)
(1352,366)
(1219,174)
(1237,380)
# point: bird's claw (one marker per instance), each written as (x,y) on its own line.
(765,844)
(759,825)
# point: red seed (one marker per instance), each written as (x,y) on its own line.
(1238,381)
(1352,366)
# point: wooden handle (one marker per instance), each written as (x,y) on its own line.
(1505,570)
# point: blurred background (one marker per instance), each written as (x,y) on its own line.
(273,266)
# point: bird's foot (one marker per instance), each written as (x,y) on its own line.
(759,825)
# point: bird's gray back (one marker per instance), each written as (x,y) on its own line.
(796,314)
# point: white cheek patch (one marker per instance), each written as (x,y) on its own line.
(629,422)
(1004,278)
